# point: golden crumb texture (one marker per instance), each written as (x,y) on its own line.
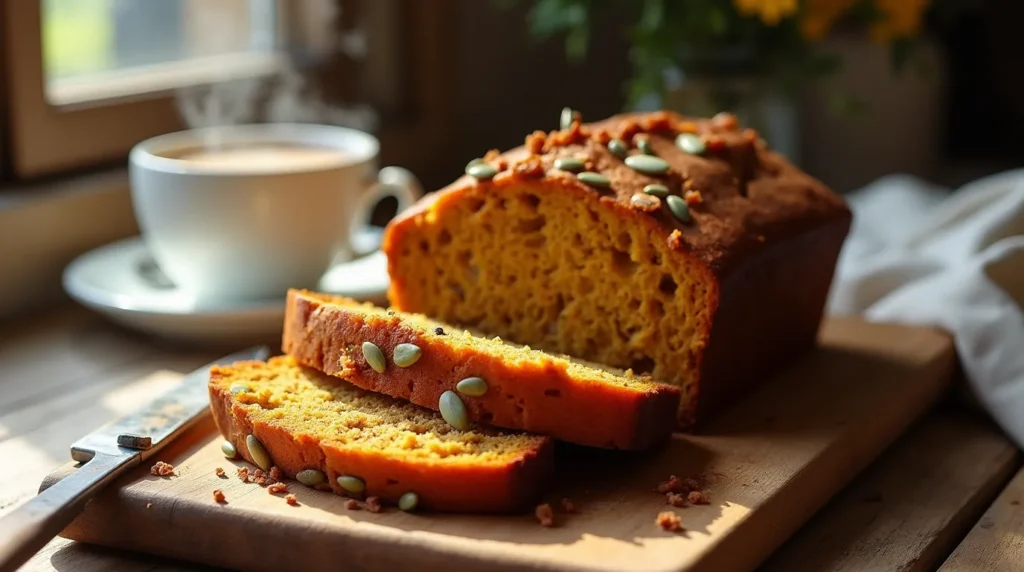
(523,388)
(305,419)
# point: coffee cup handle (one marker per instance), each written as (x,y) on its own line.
(391,182)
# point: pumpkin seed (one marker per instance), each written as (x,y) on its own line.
(594,179)
(618,148)
(644,145)
(406,354)
(257,452)
(660,191)
(352,484)
(310,477)
(408,501)
(453,410)
(374,357)
(481,171)
(472,386)
(647,164)
(477,161)
(691,143)
(570,164)
(565,121)
(239,387)
(678,208)
(229,450)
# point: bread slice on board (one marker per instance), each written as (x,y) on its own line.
(307,420)
(526,389)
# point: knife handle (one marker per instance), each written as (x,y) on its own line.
(29,527)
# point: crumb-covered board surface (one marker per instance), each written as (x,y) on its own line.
(766,465)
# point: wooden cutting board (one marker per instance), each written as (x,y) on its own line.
(771,461)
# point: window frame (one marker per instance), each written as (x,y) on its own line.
(44,138)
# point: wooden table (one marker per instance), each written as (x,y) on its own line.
(947,494)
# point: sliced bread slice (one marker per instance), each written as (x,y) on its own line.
(307,420)
(513,387)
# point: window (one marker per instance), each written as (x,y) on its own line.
(81,81)
(86,79)
(101,49)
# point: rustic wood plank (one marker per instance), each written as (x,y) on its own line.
(908,510)
(773,459)
(64,374)
(996,542)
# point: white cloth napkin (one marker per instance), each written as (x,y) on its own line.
(920,255)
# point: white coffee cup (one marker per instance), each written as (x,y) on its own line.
(245,212)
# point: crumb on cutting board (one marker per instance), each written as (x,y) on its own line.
(259,477)
(218,496)
(669,521)
(277,488)
(220,472)
(698,497)
(672,485)
(373,504)
(243,473)
(275,474)
(675,499)
(545,515)
(291,499)
(352,504)
(567,505)
(162,469)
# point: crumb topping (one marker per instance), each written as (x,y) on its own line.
(162,469)
(567,506)
(277,488)
(545,515)
(669,521)
(373,504)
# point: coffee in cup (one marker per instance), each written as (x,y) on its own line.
(245,212)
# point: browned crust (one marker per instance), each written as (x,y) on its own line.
(769,315)
(474,488)
(326,333)
(750,195)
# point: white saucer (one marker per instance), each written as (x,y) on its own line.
(121,281)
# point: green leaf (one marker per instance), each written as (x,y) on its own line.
(821,65)
(652,16)
(901,50)
(576,43)
(846,106)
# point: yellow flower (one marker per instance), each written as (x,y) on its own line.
(901,19)
(770,11)
(818,16)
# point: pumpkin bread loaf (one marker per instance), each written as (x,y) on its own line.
(307,420)
(679,247)
(508,385)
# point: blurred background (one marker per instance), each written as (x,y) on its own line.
(851,90)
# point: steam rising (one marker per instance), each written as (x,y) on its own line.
(284,96)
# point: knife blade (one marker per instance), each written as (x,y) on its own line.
(105,454)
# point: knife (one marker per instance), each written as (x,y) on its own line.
(106,454)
